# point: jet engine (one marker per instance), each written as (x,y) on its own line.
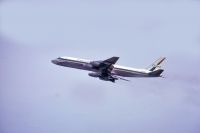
(94,75)
(105,78)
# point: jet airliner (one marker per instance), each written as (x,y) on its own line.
(107,70)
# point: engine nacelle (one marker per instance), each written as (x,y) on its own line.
(105,78)
(94,75)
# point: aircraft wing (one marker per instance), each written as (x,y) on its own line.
(107,65)
(104,69)
(111,60)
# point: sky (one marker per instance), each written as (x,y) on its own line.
(38,96)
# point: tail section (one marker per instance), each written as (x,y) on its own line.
(155,68)
(157,64)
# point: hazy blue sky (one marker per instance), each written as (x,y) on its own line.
(37,96)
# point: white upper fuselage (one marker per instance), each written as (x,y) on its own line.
(85,65)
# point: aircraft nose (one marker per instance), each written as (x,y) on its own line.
(55,61)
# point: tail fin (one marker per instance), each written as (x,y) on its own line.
(157,64)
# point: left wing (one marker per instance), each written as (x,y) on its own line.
(107,65)
(104,69)
(111,60)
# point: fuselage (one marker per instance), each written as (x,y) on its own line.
(86,65)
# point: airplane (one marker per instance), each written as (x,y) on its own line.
(107,70)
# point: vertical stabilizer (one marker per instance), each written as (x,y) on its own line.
(157,64)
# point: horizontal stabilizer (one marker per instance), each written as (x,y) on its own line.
(156,73)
